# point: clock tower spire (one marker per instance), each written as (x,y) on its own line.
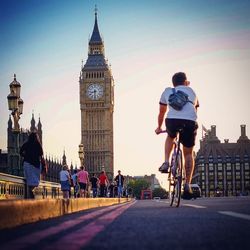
(97,105)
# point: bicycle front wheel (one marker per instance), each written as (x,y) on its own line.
(171,188)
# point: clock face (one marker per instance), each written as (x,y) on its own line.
(94,91)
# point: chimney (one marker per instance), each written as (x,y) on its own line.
(243,137)
(243,130)
(213,131)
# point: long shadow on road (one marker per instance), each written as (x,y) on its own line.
(141,225)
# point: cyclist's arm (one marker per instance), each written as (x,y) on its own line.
(162,111)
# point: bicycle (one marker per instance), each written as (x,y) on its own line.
(176,175)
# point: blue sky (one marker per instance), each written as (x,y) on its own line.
(43,42)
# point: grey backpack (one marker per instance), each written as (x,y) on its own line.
(178,99)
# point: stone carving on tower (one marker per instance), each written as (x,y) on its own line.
(97,106)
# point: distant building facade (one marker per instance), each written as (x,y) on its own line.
(151,179)
(222,169)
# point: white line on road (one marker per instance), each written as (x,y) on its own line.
(187,205)
(195,206)
(238,215)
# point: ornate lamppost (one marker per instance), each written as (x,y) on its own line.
(15,104)
(81,154)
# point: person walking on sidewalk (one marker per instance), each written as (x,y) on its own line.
(103,180)
(94,184)
(75,183)
(65,181)
(119,181)
(32,154)
(83,180)
(184,119)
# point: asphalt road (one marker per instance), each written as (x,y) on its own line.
(206,223)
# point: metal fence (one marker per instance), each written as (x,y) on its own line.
(14,187)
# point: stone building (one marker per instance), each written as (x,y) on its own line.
(8,160)
(222,168)
(97,105)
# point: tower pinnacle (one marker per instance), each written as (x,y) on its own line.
(96,10)
(95,37)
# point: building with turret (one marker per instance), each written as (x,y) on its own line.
(222,168)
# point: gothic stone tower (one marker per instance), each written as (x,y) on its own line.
(97,106)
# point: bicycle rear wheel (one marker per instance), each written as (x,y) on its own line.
(178,179)
(175,181)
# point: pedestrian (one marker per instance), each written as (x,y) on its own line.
(65,181)
(119,182)
(103,180)
(32,154)
(75,183)
(83,179)
(111,189)
(70,182)
(183,118)
(94,184)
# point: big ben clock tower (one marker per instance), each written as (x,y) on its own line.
(97,106)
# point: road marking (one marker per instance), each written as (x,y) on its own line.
(187,205)
(192,205)
(238,215)
(33,238)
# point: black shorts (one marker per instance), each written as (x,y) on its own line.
(187,137)
(82,185)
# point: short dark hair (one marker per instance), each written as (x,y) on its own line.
(179,79)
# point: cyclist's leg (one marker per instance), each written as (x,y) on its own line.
(171,127)
(188,163)
(168,147)
(187,139)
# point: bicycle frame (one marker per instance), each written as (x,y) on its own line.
(176,174)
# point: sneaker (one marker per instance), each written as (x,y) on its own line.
(164,167)
(187,192)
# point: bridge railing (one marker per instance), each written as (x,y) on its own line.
(14,187)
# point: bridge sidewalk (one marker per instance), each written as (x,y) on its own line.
(19,212)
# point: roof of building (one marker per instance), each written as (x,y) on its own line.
(96,61)
(212,149)
(95,37)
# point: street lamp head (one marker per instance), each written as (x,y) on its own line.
(15,86)
(81,153)
(20,105)
(12,101)
(81,147)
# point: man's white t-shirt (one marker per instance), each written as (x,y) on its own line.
(188,112)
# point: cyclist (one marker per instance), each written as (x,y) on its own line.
(184,119)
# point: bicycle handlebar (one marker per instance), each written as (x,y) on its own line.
(163,131)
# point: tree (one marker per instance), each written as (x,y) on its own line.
(160,192)
(137,185)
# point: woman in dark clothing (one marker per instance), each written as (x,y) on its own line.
(32,153)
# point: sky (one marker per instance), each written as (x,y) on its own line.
(44,41)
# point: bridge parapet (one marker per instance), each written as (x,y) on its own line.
(14,187)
